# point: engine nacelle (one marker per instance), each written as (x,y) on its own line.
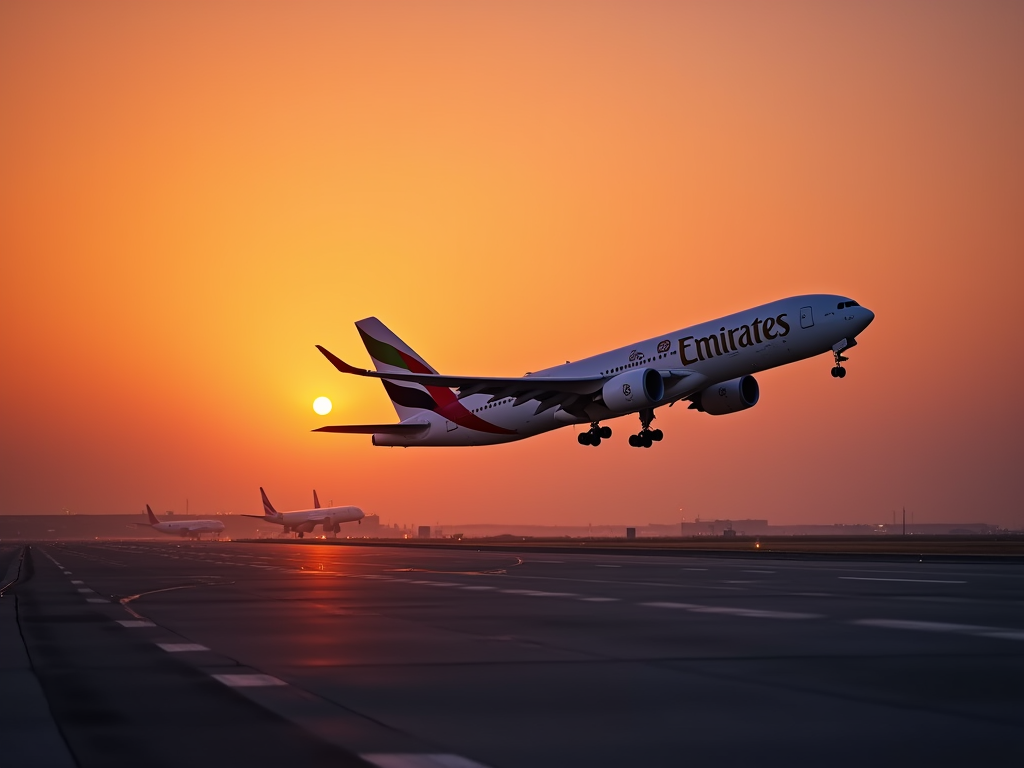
(633,390)
(729,396)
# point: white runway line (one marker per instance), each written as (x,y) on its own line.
(937,626)
(420,761)
(67,573)
(77,581)
(182,647)
(599,599)
(248,681)
(749,613)
(914,581)
(135,623)
(85,591)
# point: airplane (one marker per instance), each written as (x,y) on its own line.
(190,528)
(303,521)
(711,365)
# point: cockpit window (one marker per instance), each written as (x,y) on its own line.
(845,304)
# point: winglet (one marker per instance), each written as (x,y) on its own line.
(316,501)
(340,364)
(268,508)
(152,517)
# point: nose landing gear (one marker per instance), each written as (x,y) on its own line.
(594,435)
(647,436)
(838,371)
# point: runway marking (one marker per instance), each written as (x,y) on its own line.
(937,626)
(96,600)
(537,593)
(759,571)
(182,647)
(67,573)
(915,581)
(749,613)
(608,566)
(383,760)
(248,681)
(85,590)
(135,623)
(77,581)
(599,599)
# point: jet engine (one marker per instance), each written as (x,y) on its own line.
(633,390)
(728,396)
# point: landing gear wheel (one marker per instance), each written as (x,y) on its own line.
(647,436)
(646,440)
(594,435)
(634,441)
(595,441)
(839,372)
(842,373)
(606,432)
(657,435)
(584,438)
(836,372)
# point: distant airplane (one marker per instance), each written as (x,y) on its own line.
(710,365)
(190,528)
(303,521)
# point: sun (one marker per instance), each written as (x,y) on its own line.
(322,406)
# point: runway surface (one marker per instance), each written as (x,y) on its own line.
(240,654)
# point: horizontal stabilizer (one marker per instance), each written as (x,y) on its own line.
(376,429)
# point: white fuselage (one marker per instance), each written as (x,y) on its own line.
(718,351)
(305,520)
(189,527)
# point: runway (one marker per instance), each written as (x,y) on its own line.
(202,654)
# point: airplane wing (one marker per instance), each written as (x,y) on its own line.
(549,391)
(409,428)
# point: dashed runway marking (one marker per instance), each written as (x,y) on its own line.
(936,626)
(915,581)
(135,623)
(249,681)
(749,613)
(420,761)
(86,590)
(181,647)
(77,581)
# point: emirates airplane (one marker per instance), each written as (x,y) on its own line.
(190,528)
(303,521)
(711,365)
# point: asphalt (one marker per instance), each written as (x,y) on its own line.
(177,654)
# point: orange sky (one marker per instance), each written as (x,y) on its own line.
(192,195)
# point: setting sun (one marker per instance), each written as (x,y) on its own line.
(322,406)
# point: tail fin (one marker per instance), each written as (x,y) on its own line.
(391,354)
(316,501)
(152,517)
(268,508)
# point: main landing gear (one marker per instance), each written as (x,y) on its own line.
(647,436)
(594,435)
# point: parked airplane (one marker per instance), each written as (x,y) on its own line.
(190,528)
(710,365)
(303,521)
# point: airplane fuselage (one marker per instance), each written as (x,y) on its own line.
(690,360)
(189,527)
(305,520)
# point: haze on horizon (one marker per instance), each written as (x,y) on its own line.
(194,195)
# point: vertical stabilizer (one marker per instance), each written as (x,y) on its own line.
(392,355)
(316,501)
(151,516)
(268,508)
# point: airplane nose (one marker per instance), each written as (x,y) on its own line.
(869,316)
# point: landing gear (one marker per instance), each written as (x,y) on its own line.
(301,534)
(838,371)
(647,436)
(594,435)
